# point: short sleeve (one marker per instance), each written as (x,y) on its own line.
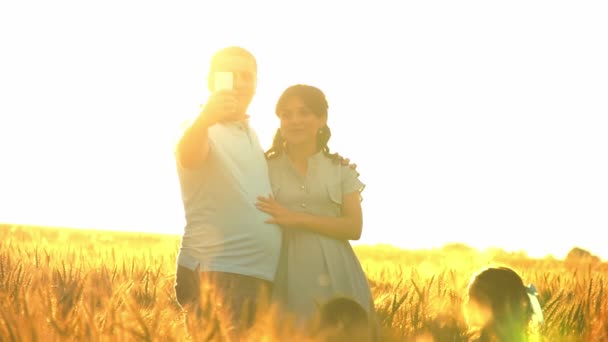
(350,181)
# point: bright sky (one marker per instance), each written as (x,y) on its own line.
(470,121)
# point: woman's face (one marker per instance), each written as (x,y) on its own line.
(299,125)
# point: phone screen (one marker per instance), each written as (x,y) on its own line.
(223,80)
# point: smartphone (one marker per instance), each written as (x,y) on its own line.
(223,80)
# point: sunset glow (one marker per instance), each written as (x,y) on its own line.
(475,123)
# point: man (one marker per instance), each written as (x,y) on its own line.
(222,169)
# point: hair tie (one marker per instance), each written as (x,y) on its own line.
(537,311)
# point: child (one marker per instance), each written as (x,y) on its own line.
(501,306)
(342,319)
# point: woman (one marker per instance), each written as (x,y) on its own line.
(501,307)
(317,202)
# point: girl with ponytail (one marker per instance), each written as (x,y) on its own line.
(501,308)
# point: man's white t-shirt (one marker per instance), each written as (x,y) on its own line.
(225,231)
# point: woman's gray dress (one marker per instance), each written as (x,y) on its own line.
(314,268)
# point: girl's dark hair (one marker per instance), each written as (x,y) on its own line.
(315,100)
(340,312)
(503,291)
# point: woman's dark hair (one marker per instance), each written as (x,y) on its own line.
(315,100)
(502,290)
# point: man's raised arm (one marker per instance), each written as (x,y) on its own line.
(193,146)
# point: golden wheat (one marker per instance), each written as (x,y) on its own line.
(62,284)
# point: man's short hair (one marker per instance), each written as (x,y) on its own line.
(232,51)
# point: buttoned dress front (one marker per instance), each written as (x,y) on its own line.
(313,267)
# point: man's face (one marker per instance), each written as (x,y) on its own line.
(245,77)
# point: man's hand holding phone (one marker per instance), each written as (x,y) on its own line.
(222,104)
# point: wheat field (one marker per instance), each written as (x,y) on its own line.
(83,285)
